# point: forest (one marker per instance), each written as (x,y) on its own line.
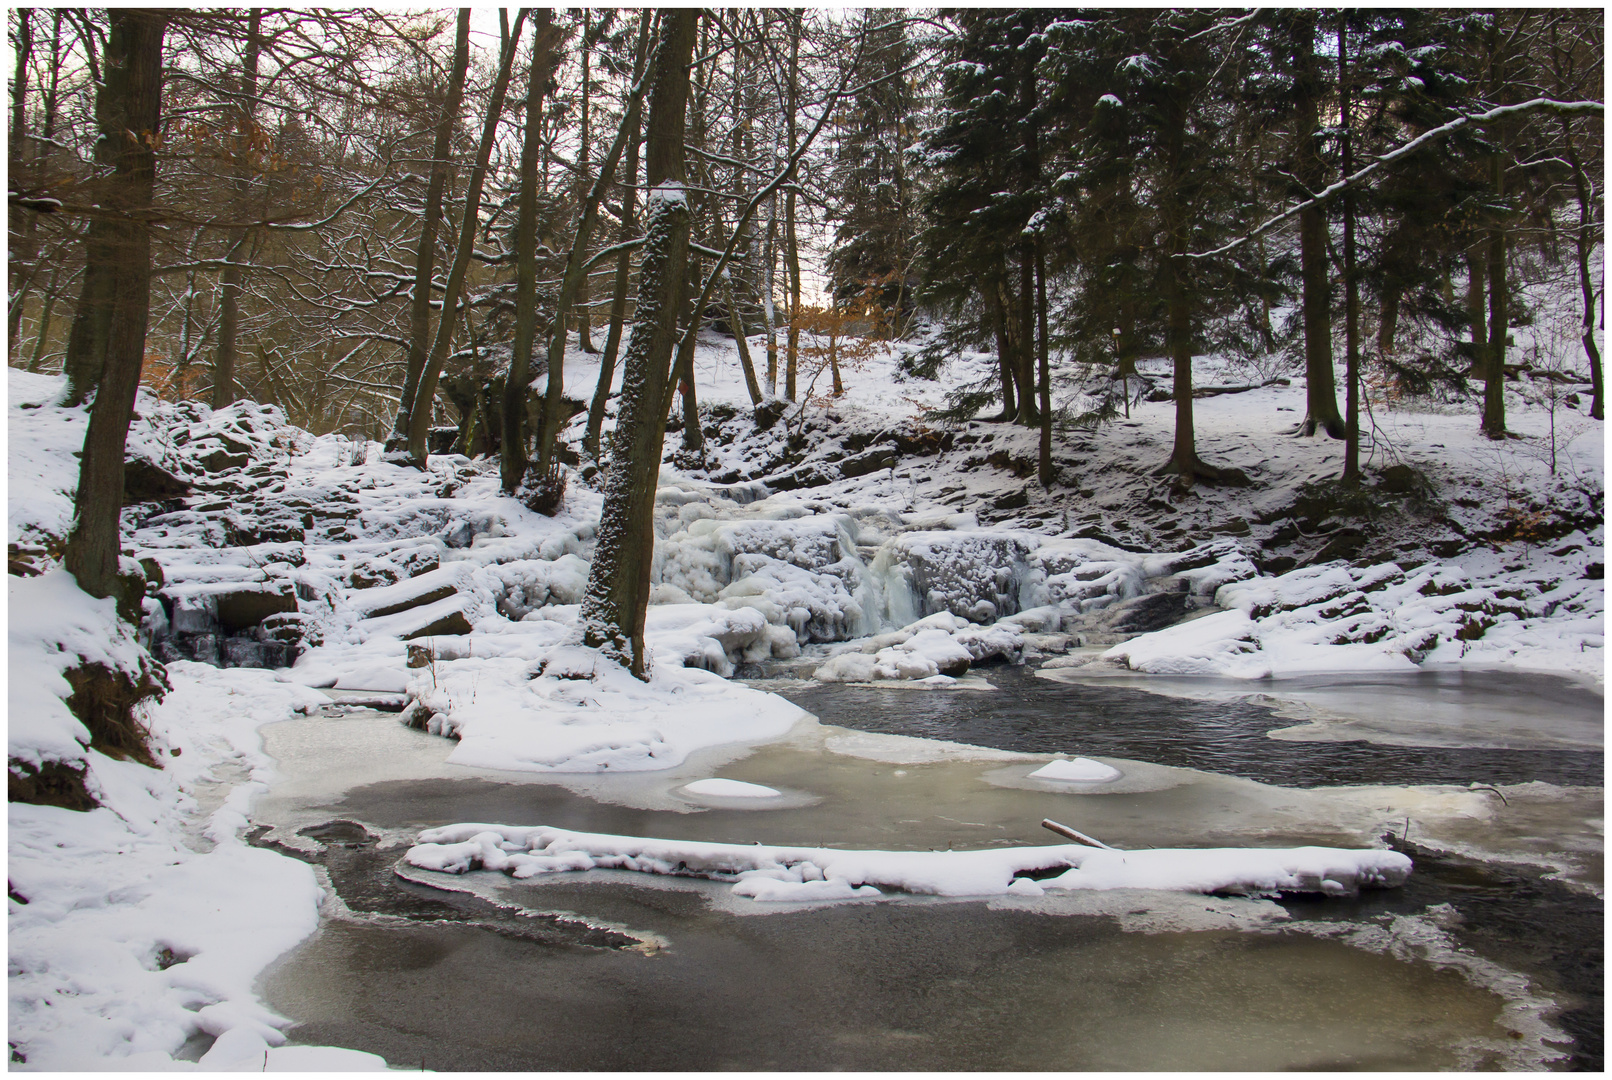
(1187,422)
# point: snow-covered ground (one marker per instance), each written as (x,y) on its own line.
(857,541)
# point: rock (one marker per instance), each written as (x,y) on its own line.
(287,628)
(1144,614)
(1345,544)
(769,413)
(242,608)
(1013,500)
(145,481)
(408,594)
(454,622)
(1020,467)
(459,535)
(221,460)
(1279,565)
(870,461)
(806,476)
(442,440)
(1402,480)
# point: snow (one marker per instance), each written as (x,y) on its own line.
(543,705)
(1079,770)
(731,789)
(148,919)
(55,626)
(790,874)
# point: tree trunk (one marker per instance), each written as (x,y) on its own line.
(22,263)
(425,393)
(1388,318)
(1494,376)
(618,583)
(425,259)
(629,228)
(791,247)
(1045,459)
(769,258)
(1477,321)
(44,324)
(512,437)
(1320,396)
(1351,286)
(1184,453)
(737,325)
(1024,369)
(92,318)
(128,100)
(1004,349)
(1586,244)
(229,299)
(584,329)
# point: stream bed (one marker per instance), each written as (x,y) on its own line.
(1489,957)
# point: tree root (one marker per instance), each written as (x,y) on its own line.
(1197,470)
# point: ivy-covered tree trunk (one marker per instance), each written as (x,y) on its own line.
(129,100)
(617,600)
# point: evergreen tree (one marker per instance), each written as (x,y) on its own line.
(874,197)
(1155,108)
(989,185)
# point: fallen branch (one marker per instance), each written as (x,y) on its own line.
(1073,834)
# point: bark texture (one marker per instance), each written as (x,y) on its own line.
(127,107)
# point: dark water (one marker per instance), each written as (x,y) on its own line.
(1035,715)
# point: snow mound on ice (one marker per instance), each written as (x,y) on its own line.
(818,874)
(731,789)
(1079,770)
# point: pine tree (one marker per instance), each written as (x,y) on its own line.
(874,196)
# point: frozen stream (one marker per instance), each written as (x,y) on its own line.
(1481,960)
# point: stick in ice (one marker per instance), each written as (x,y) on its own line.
(1073,834)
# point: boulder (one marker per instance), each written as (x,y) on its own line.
(244,607)
(145,481)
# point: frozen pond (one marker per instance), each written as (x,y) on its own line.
(1470,965)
